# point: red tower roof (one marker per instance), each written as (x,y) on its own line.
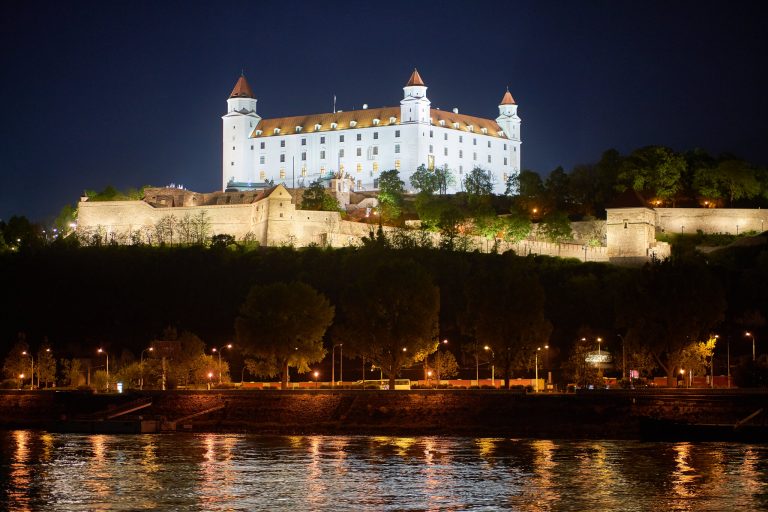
(242,89)
(507,99)
(415,79)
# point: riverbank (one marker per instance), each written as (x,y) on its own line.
(604,415)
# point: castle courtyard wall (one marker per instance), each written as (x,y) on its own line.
(711,220)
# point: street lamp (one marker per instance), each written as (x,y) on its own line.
(141,366)
(751,335)
(437,361)
(333,364)
(316,374)
(102,351)
(536,364)
(218,350)
(21,379)
(493,367)
(210,376)
(32,370)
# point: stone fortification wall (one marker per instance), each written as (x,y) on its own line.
(711,220)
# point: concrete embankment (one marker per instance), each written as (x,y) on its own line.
(613,414)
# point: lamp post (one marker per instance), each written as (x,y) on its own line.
(210,376)
(141,366)
(493,366)
(536,364)
(316,374)
(751,335)
(712,362)
(437,361)
(623,359)
(21,380)
(333,364)
(218,350)
(102,351)
(32,368)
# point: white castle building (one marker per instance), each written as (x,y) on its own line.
(363,143)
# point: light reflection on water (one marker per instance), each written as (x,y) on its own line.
(39,470)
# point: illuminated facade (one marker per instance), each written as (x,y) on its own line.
(362,143)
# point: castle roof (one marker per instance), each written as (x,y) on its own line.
(630,198)
(507,99)
(370,118)
(415,79)
(242,89)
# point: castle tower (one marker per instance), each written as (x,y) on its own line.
(414,108)
(241,119)
(510,123)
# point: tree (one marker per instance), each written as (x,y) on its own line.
(282,326)
(389,315)
(528,190)
(445,364)
(391,190)
(316,197)
(445,179)
(515,226)
(18,361)
(478,183)
(424,180)
(577,369)
(668,307)
(70,369)
(556,227)
(505,311)
(730,179)
(558,189)
(654,169)
(45,366)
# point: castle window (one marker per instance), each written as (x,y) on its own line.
(456,126)
(359,136)
(303,156)
(375,135)
(445,151)
(359,151)
(282,143)
(341,153)
(251,147)
(505,177)
(431,134)
(397,148)
(431,148)
(259,132)
(375,166)
(484,130)
(231,163)
(397,133)
(461,169)
(304,142)
(505,147)
(262,175)
(489,158)
(322,155)
(505,160)
(277,130)
(233,148)
(322,169)
(392,120)
(341,167)
(474,156)
(445,136)
(359,167)
(474,142)
(489,143)
(298,129)
(303,171)
(397,164)
(282,177)
(461,153)
(282,157)
(318,126)
(322,139)
(376,122)
(470,128)
(625,223)
(360,184)
(352,124)
(442,122)
(262,145)
(341,138)
(514,149)
(261,159)
(233,127)
(461,138)
(334,126)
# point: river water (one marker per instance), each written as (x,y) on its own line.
(43,471)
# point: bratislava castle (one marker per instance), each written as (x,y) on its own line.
(363,143)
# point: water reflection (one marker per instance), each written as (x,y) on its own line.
(344,473)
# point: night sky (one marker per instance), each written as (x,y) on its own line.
(131,93)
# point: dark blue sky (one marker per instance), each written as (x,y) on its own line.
(131,93)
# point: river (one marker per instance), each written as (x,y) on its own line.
(44,471)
